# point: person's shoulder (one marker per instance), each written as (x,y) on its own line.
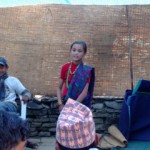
(12,79)
(87,66)
(66,65)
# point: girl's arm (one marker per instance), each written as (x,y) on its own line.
(83,93)
(59,91)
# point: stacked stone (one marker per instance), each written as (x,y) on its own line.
(43,116)
(106,111)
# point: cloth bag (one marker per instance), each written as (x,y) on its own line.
(113,139)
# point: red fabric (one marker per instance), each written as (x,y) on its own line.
(63,75)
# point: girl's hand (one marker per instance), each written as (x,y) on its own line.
(97,139)
(60,107)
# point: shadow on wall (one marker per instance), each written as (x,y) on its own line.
(104,46)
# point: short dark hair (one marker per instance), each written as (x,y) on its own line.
(83,43)
(13,129)
(3,61)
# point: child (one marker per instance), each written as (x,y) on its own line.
(14,131)
(76,79)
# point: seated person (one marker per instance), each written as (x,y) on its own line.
(13,131)
(10,87)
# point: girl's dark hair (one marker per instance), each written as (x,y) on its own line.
(83,43)
(13,129)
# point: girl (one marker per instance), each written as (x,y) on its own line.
(76,79)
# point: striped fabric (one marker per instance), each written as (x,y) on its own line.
(78,83)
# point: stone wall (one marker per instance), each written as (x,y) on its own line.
(43,115)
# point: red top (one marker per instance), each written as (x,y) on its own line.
(63,75)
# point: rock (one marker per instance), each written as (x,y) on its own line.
(34,105)
(113,104)
(98,106)
(44,134)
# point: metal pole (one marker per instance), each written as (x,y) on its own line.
(129,45)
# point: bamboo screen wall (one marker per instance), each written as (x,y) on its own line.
(36,42)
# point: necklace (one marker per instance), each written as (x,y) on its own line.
(71,67)
(70,72)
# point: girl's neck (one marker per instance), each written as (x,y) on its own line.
(77,62)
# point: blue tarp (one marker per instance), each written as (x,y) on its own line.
(136,145)
(134,122)
(12,3)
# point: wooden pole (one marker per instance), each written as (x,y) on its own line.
(129,45)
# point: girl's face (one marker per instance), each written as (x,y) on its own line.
(77,53)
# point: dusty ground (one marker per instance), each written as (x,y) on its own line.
(44,143)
